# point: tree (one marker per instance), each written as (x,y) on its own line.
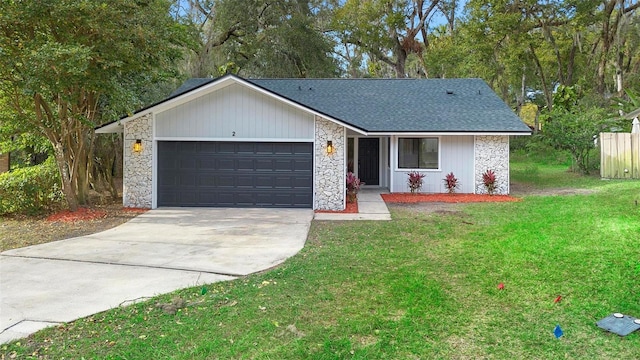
(260,39)
(574,124)
(535,44)
(575,132)
(387,30)
(66,65)
(615,19)
(23,145)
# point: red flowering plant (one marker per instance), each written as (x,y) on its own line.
(415,181)
(451,183)
(353,185)
(489,181)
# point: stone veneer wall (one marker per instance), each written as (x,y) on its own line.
(492,153)
(329,176)
(138,167)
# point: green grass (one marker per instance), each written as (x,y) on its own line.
(550,171)
(421,286)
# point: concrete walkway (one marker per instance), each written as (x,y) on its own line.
(370,207)
(157,252)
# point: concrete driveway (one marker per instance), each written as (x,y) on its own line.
(157,252)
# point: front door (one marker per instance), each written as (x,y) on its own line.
(369,160)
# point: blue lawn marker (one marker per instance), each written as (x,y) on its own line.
(558,331)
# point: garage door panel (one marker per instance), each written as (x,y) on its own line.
(245,148)
(187,181)
(286,148)
(187,147)
(245,199)
(224,164)
(245,164)
(263,181)
(167,179)
(208,147)
(244,181)
(235,174)
(284,198)
(188,164)
(206,197)
(206,163)
(171,196)
(302,182)
(171,164)
(301,165)
(205,180)
(302,148)
(263,148)
(263,164)
(225,198)
(225,181)
(282,181)
(283,165)
(188,197)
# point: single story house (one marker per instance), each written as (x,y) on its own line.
(235,142)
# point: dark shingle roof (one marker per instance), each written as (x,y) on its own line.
(397,105)
(189,85)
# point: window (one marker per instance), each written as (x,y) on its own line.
(418,153)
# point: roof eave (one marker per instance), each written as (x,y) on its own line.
(110,128)
(450,133)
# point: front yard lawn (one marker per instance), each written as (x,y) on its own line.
(423,286)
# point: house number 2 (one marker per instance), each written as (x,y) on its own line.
(233,133)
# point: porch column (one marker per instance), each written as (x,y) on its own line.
(492,153)
(138,166)
(330,169)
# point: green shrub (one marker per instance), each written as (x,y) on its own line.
(518,143)
(535,148)
(31,189)
(575,132)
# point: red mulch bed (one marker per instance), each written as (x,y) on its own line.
(81,214)
(352,208)
(446,198)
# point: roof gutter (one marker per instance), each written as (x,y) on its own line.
(445,133)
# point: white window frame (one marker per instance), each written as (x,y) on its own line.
(397,154)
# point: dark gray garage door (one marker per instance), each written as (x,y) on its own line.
(235,174)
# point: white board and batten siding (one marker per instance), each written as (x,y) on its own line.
(235,113)
(456,155)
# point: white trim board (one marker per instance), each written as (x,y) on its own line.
(231,139)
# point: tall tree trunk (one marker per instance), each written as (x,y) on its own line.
(68,186)
(572,60)
(523,94)
(549,36)
(606,37)
(545,87)
(400,63)
(619,64)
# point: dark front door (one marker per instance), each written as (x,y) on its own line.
(369,161)
(235,174)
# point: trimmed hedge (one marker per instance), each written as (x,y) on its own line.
(31,189)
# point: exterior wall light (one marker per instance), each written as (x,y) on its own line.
(137,146)
(330,148)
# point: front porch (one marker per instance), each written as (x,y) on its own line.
(385,161)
